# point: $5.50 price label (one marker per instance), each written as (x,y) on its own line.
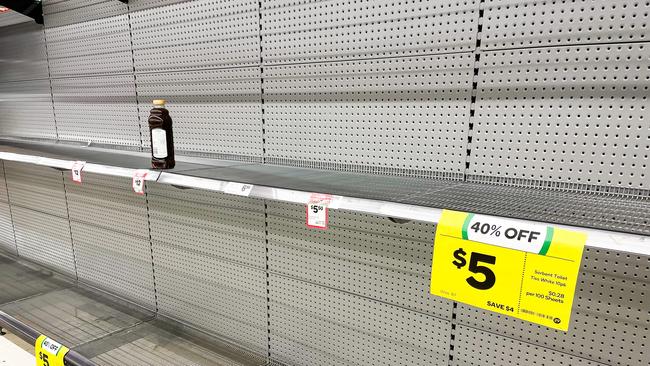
(48,352)
(516,268)
(317,211)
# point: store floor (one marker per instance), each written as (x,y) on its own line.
(14,352)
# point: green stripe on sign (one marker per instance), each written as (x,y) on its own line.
(466,225)
(547,241)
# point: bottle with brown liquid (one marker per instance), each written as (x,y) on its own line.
(162,139)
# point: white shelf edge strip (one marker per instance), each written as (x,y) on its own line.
(119,171)
(601,239)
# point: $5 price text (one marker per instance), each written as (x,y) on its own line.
(475,266)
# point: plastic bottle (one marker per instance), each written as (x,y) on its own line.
(162,138)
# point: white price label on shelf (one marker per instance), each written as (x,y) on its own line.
(239,189)
(77,167)
(139,178)
(317,211)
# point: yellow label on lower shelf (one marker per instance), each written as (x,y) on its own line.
(48,352)
(525,270)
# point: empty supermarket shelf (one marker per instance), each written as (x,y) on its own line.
(106,329)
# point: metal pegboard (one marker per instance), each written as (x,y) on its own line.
(409,114)
(26,109)
(99,46)
(228,228)
(18,61)
(315,325)
(609,310)
(473,347)
(220,297)
(115,262)
(536,23)
(62,12)
(44,239)
(107,202)
(100,109)
(214,112)
(135,5)
(316,30)
(362,254)
(564,114)
(36,187)
(7,238)
(4,194)
(196,34)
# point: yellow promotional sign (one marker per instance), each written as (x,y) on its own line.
(525,270)
(49,352)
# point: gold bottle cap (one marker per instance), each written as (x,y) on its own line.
(159,102)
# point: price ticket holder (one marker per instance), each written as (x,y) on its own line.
(318,211)
(49,352)
(525,270)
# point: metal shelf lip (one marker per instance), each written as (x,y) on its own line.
(152,175)
(267,181)
(37,160)
(191,182)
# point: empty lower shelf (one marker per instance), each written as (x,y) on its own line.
(105,329)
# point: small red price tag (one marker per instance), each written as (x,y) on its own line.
(317,211)
(139,177)
(77,167)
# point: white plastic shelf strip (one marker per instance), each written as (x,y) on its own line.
(603,239)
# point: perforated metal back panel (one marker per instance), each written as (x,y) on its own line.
(25,99)
(473,347)
(38,208)
(62,12)
(315,325)
(135,5)
(44,239)
(209,254)
(215,112)
(115,262)
(110,232)
(100,109)
(108,202)
(609,310)
(564,114)
(196,34)
(402,115)
(294,31)
(26,109)
(344,294)
(526,23)
(7,238)
(23,52)
(362,254)
(87,48)
(36,188)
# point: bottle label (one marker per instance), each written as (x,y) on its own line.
(159,143)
